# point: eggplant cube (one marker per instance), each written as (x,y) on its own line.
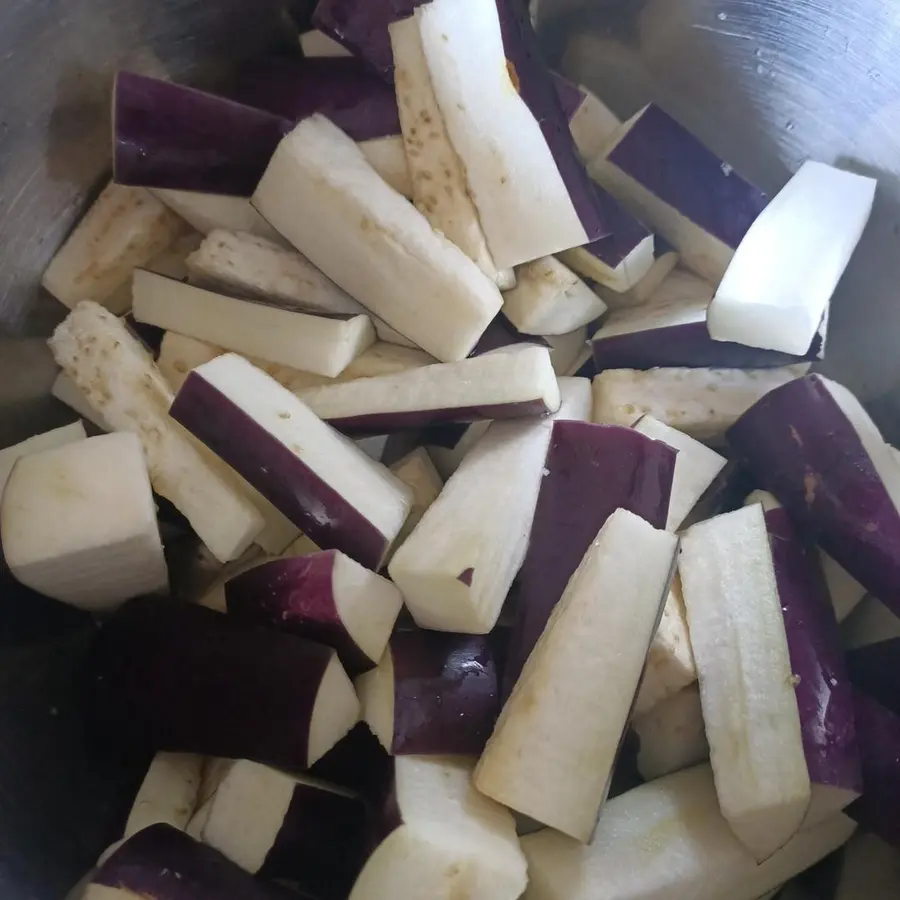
(49,440)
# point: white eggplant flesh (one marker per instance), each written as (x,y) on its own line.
(553,760)
(322,345)
(125,228)
(387,156)
(672,735)
(746,680)
(565,350)
(703,403)
(168,792)
(696,467)
(49,440)
(119,380)
(663,265)
(418,472)
(374,244)
(207,212)
(593,124)
(315,43)
(78,523)
(549,298)
(66,391)
(779,283)
(448,459)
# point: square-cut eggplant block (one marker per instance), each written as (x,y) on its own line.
(49,440)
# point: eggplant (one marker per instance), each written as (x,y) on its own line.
(321,482)
(195,681)
(550,299)
(703,403)
(48,440)
(288,828)
(553,761)
(387,156)
(670,330)
(163,863)
(358,763)
(672,735)
(815,448)
(663,175)
(67,392)
(417,471)
(168,793)
(696,468)
(777,288)
(667,840)
(447,445)
(325,597)
(126,227)
(436,836)
(78,523)
(592,124)
(572,507)
(207,212)
(502,333)
(370,240)
(506,384)
(324,345)
(316,44)
(665,260)
(567,351)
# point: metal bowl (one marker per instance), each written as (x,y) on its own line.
(767,83)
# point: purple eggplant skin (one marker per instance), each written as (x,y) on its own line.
(170,136)
(502,333)
(672,164)
(800,447)
(162,863)
(446,693)
(875,669)
(168,675)
(592,471)
(320,845)
(824,693)
(726,493)
(687,346)
(296,596)
(878,730)
(627,232)
(344,89)
(319,511)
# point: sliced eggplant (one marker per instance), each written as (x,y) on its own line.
(553,761)
(567,350)
(358,763)
(207,212)
(664,262)
(168,792)
(49,440)
(321,482)
(592,124)
(672,735)
(417,471)
(66,391)
(387,156)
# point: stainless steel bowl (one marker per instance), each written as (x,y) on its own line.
(767,83)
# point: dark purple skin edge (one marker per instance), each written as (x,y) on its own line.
(320,845)
(345,90)
(878,733)
(447,435)
(388,422)
(824,694)
(627,232)
(672,164)
(875,669)
(296,596)
(446,693)
(502,333)
(570,95)
(170,136)
(688,346)
(801,448)
(168,675)
(163,863)
(359,763)
(593,470)
(277,473)
(726,494)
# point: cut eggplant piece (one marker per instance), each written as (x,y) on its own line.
(322,483)
(696,467)
(509,383)
(573,506)
(660,172)
(66,391)
(440,838)
(667,840)
(125,228)
(457,566)
(163,863)
(373,243)
(566,350)
(417,471)
(672,735)
(346,91)
(670,661)
(325,597)
(321,344)
(49,440)
(553,761)
(78,523)
(316,44)
(670,330)
(432,694)
(207,212)
(870,623)
(550,298)
(170,136)
(845,591)
(747,685)
(119,380)
(703,403)
(440,186)
(502,333)
(448,445)
(779,283)
(287,828)
(387,156)
(576,399)
(264,695)
(619,261)
(168,792)
(815,448)
(664,262)
(592,124)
